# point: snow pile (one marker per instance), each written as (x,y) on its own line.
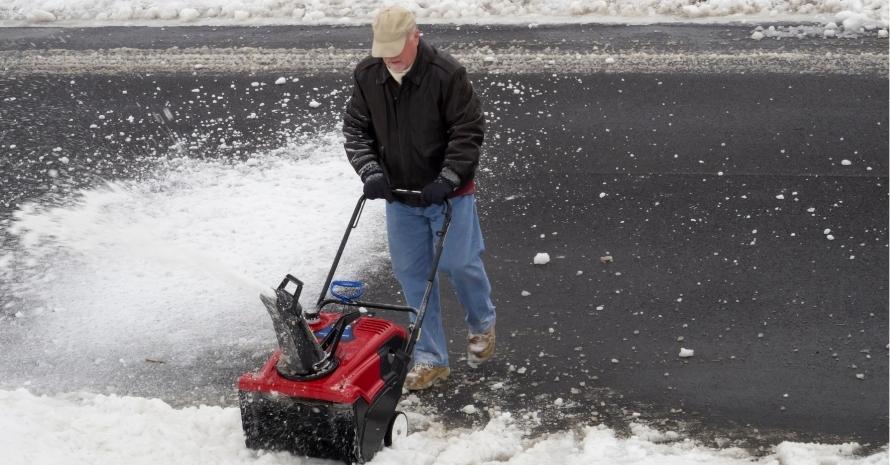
(852,13)
(176,260)
(849,28)
(92,429)
(88,429)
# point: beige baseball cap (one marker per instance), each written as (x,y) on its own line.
(391,27)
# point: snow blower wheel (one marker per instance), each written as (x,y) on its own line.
(331,389)
(397,430)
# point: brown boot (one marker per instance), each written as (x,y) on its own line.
(480,347)
(424,376)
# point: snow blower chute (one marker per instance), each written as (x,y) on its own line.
(331,389)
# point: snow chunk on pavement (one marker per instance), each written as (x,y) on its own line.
(796,454)
(189,14)
(846,162)
(525,293)
(542,258)
(280,81)
(314,104)
(40,16)
(686,353)
(469,409)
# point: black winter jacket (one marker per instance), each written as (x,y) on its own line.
(430,126)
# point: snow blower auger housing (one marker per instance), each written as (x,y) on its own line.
(331,389)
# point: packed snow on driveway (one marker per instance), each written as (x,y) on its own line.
(94,429)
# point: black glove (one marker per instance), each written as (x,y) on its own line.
(436,191)
(377,187)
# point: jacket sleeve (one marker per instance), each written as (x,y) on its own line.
(466,128)
(360,142)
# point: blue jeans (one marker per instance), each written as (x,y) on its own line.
(412,234)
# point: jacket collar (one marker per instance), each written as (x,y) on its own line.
(424,55)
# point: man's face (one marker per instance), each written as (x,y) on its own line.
(404,60)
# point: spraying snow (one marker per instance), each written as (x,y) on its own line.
(157,267)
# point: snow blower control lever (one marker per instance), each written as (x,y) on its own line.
(332,388)
(323,301)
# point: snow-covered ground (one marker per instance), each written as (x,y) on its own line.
(850,14)
(96,430)
(164,248)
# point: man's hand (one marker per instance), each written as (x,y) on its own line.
(377,187)
(435,192)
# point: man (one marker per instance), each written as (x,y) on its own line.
(415,123)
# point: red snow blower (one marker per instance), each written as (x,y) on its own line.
(331,389)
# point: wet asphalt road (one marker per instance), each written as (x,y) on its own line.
(711,193)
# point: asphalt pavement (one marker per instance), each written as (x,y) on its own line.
(680,210)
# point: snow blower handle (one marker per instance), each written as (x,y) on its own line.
(353,223)
(408,192)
